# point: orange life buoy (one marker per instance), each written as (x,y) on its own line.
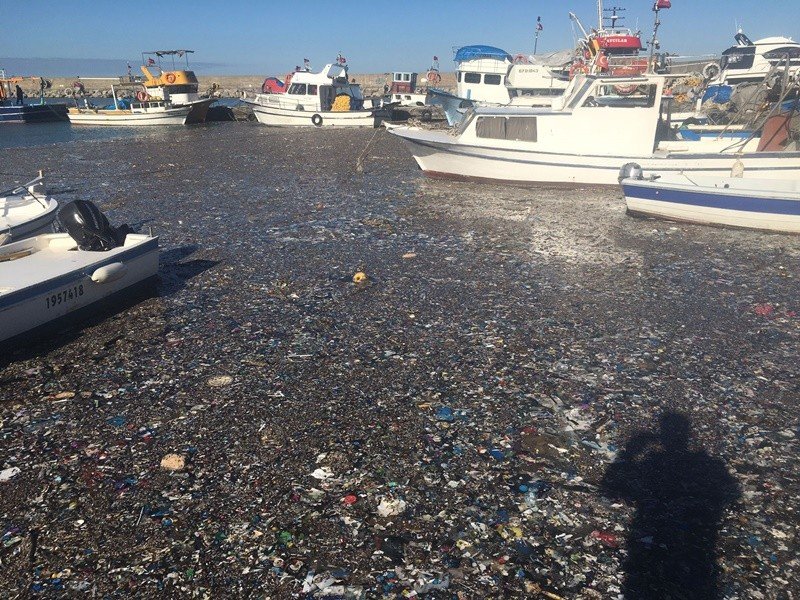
(521,59)
(626,71)
(142,96)
(170,77)
(433,77)
(578,67)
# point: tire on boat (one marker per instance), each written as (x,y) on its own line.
(317,120)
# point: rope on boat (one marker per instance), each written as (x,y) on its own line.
(362,156)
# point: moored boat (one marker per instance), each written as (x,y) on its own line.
(126,113)
(14,109)
(751,62)
(581,139)
(49,277)
(26,211)
(752,203)
(319,99)
(179,87)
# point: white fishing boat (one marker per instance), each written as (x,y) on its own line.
(26,211)
(176,86)
(599,123)
(768,204)
(47,277)
(126,113)
(324,99)
(751,62)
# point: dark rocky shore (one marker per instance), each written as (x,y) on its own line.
(531,395)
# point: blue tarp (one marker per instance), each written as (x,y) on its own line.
(122,104)
(718,93)
(473,52)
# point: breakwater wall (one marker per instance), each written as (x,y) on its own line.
(228,86)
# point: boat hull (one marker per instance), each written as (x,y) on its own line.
(281,117)
(33,306)
(198,110)
(119,118)
(33,113)
(709,205)
(444,158)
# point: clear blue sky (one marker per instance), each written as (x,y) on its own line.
(269,37)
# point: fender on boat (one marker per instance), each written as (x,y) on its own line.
(109,273)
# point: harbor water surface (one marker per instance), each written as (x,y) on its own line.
(449,425)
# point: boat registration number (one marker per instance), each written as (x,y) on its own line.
(65,295)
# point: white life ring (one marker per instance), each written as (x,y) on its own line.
(711,70)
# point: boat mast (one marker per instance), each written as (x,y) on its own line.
(599,15)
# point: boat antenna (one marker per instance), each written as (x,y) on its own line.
(539,28)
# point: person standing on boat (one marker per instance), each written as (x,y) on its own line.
(19,96)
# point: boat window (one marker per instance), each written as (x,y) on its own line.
(534,92)
(738,57)
(622,95)
(406,76)
(181,89)
(458,76)
(781,53)
(507,128)
(492,79)
(298,89)
(472,77)
(312,90)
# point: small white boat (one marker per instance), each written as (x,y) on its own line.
(752,203)
(123,113)
(47,277)
(26,211)
(319,99)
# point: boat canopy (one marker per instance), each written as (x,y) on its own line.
(475,52)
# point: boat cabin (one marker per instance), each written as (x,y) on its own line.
(175,85)
(319,92)
(622,114)
(403,83)
(749,62)
(481,73)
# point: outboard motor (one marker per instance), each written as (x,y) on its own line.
(89,227)
(630,170)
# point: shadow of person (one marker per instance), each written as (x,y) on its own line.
(680,496)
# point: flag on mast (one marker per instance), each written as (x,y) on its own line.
(539,25)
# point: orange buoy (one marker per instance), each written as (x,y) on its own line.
(170,77)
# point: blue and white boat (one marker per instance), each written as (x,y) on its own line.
(14,111)
(751,203)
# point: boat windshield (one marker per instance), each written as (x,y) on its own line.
(354,91)
(465,121)
(578,94)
